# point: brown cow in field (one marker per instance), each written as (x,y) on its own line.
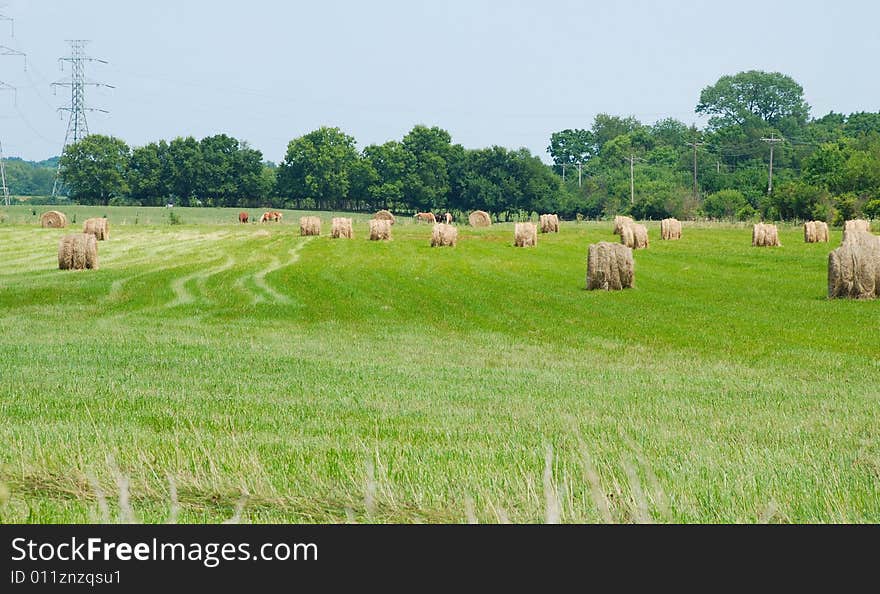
(427,217)
(271,216)
(242,217)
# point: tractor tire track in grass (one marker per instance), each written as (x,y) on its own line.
(183,295)
(259,278)
(148,252)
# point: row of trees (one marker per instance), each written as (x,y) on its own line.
(322,169)
(30,178)
(826,168)
(215,171)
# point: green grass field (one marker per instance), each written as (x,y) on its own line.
(313,380)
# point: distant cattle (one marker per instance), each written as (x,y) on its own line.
(271,216)
(242,217)
(448,218)
(427,217)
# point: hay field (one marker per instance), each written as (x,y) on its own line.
(310,380)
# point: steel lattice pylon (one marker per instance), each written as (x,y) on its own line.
(77,125)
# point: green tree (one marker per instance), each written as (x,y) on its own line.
(216,181)
(426,183)
(389,162)
(184,167)
(94,169)
(570,147)
(771,97)
(317,167)
(798,200)
(148,173)
(724,204)
(608,127)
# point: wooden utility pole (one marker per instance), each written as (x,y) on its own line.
(771,141)
(632,180)
(695,144)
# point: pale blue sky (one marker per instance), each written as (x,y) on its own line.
(490,72)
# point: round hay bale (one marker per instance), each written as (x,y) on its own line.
(341,227)
(384,215)
(670,229)
(549,223)
(380,230)
(53,219)
(810,232)
(764,235)
(620,222)
(854,267)
(626,236)
(479,218)
(444,235)
(816,232)
(610,267)
(854,226)
(309,226)
(634,236)
(99,227)
(525,235)
(78,251)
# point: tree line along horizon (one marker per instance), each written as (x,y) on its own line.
(825,168)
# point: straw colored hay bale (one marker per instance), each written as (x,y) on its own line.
(634,236)
(815,232)
(99,227)
(609,267)
(479,218)
(444,235)
(309,226)
(855,225)
(810,232)
(626,235)
(549,223)
(53,219)
(854,267)
(384,215)
(621,222)
(341,227)
(380,230)
(78,252)
(670,229)
(764,235)
(525,235)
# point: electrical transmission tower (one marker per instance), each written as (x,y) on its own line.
(77,125)
(7,51)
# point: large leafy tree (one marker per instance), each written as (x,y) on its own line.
(426,183)
(772,98)
(608,127)
(94,169)
(148,173)
(389,162)
(570,147)
(217,180)
(185,165)
(317,166)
